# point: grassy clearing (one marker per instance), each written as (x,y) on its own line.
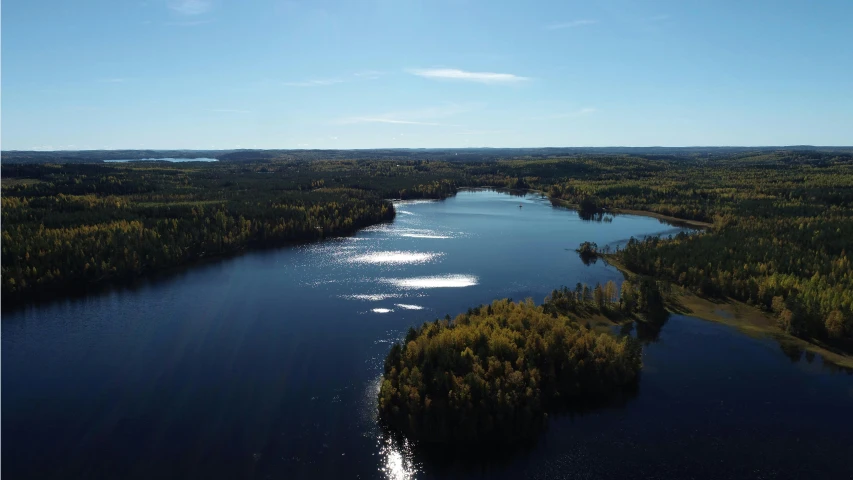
(746,318)
(598,322)
(11,182)
(666,218)
(641,213)
(175,204)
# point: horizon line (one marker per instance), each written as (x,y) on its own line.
(417,148)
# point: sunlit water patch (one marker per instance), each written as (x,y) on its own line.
(423,235)
(396,457)
(420,233)
(413,202)
(436,281)
(397,460)
(171,160)
(395,257)
(406,306)
(372,297)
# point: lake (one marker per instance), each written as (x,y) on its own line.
(267,365)
(173,160)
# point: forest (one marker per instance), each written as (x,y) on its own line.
(491,375)
(780,237)
(65,227)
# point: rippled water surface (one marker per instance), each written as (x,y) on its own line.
(267,365)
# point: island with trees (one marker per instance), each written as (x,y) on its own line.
(491,375)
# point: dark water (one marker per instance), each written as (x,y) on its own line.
(267,366)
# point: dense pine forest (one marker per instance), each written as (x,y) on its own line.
(781,237)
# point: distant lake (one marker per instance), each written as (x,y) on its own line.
(162,160)
(267,365)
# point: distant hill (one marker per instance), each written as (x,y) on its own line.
(425,154)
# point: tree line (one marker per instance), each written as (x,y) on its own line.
(75,225)
(781,237)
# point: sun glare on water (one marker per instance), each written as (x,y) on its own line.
(437,281)
(395,257)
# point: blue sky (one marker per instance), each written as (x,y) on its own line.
(433,73)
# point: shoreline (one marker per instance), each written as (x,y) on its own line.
(745,318)
(666,218)
(50,295)
(640,213)
(131,281)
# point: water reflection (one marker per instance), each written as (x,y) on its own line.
(437,281)
(424,235)
(171,160)
(376,297)
(648,330)
(792,351)
(396,454)
(395,257)
(406,306)
(421,233)
(599,217)
(398,459)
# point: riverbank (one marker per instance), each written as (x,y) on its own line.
(746,318)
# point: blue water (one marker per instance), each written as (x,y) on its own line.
(173,160)
(267,365)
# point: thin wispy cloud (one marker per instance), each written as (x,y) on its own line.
(187,23)
(425,116)
(369,74)
(190,7)
(572,24)
(363,75)
(481,132)
(228,110)
(577,113)
(479,77)
(314,83)
(654,23)
(393,121)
